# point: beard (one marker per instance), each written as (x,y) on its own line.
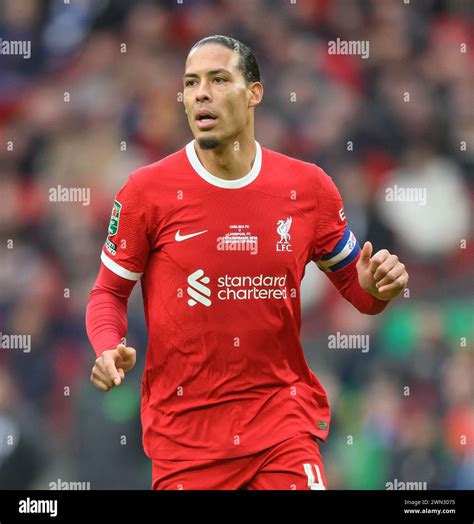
(208,143)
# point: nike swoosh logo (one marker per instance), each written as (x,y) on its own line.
(180,238)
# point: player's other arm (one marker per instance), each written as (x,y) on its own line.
(382,275)
(368,281)
(124,257)
(106,325)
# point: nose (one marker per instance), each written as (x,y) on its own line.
(203,92)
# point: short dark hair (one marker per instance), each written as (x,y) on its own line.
(247,62)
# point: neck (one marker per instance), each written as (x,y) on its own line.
(226,161)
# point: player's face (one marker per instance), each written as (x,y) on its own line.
(216,96)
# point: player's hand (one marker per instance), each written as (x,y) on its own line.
(381,275)
(110,368)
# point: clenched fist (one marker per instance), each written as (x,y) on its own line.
(381,275)
(110,368)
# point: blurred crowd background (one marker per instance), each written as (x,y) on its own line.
(100,97)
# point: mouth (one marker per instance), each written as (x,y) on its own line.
(205,119)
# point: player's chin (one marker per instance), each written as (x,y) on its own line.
(207,140)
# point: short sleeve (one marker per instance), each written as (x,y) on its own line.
(127,246)
(335,246)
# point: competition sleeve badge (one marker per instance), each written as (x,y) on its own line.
(115,218)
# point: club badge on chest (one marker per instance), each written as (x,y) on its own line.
(283,229)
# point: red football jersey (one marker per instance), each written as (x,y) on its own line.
(220,263)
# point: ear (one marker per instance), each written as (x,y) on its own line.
(256,93)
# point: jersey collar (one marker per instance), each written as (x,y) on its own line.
(220,182)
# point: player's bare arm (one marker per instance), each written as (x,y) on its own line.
(111,366)
(382,275)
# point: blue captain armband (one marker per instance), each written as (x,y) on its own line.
(345,251)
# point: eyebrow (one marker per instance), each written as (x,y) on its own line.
(212,72)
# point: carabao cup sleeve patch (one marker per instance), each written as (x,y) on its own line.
(115,218)
(127,247)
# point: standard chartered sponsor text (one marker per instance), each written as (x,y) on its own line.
(248,287)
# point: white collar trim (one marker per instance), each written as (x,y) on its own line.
(220,182)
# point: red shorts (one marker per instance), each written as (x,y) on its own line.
(293,464)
